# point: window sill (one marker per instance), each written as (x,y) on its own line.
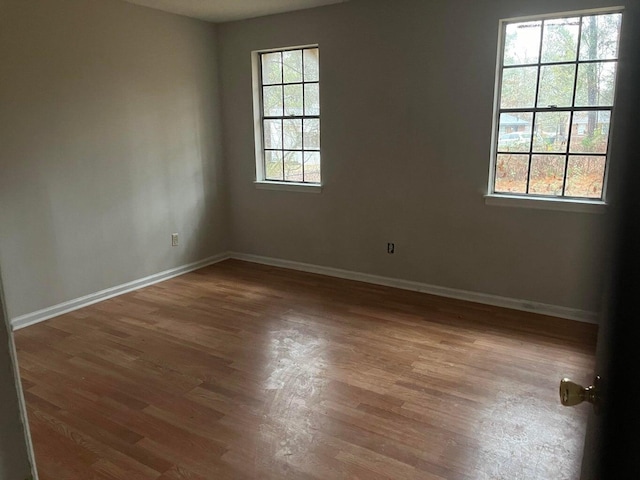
(563,205)
(289,186)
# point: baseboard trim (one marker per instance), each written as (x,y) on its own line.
(66,307)
(484,298)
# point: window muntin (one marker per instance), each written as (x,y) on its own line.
(556,92)
(290,115)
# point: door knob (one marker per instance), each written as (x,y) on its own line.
(573,394)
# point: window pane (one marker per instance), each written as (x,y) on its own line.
(560,40)
(514,133)
(311,134)
(541,149)
(590,132)
(273,134)
(556,85)
(599,39)
(522,43)
(271,68)
(293,99)
(292,134)
(272,98)
(596,84)
(585,176)
(311,65)
(293,166)
(551,132)
(518,87)
(312,167)
(290,89)
(511,173)
(312,99)
(273,165)
(292,63)
(547,174)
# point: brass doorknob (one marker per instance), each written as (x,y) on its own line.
(573,394)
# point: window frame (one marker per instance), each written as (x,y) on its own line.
(261,181)
(546,201)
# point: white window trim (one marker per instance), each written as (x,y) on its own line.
(288,186)
(260,181)
(546,203)
(566,204)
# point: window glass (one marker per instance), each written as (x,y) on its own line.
(290,111)
(557,88)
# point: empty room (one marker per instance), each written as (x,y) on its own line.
(312,239)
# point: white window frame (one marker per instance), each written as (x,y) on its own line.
(563,203)
(258,115)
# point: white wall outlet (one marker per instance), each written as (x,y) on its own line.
(174,239)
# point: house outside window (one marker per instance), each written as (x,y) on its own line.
(287,111)
(554,103)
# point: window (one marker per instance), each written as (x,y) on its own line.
(287,98)
(554,106)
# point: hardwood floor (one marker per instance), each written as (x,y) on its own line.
(245,371)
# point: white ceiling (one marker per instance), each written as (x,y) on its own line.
(227,10)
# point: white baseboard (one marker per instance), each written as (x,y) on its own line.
(484,298)
(66,307)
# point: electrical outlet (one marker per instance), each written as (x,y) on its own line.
(391,248)
(174,239)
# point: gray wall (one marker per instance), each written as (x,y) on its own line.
(110,139)
(14,459)
(109,142)
(407,92)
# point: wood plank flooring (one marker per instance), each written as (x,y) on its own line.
(242,371)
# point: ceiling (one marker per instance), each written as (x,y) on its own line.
(227,10)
